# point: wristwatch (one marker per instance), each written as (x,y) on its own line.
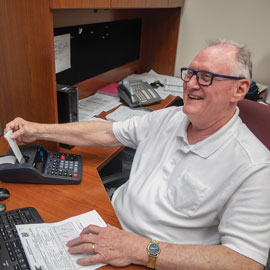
(153,250)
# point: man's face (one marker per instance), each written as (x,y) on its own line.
(211,103)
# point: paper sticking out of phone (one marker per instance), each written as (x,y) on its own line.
(13,145)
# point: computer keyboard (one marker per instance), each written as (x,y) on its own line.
(12,256)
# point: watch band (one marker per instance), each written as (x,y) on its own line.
(151,261)
(152,253)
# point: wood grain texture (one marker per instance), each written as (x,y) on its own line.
(27,61)
(98,4)
(73,4)
(159,40)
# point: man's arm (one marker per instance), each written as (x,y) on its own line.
(120,248)
(76,133)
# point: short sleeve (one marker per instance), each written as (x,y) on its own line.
(130,132)
(245,220)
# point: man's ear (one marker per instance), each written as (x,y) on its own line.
(241,90)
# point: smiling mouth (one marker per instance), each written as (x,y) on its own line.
(195,97)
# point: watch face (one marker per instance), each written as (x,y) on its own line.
(154,249)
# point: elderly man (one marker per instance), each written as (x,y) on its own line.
(199,185)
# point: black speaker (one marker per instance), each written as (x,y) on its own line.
(67,101)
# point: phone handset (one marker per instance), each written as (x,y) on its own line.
(134,99)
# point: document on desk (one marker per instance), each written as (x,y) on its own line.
(123,113)
(45,243)
(95,104)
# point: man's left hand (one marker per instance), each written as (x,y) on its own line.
(108,245)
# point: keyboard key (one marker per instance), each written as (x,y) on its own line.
(9,238)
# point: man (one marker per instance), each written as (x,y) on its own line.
(199,182)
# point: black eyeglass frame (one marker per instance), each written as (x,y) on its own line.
(213,75)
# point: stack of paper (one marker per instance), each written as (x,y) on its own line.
(95,104)
(123,113)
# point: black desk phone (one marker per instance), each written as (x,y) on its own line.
(42,167)
(137,93)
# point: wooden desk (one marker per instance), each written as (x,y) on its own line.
(58,202)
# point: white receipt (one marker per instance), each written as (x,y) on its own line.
(7,159)
(13,145)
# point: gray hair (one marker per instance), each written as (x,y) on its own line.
(243,65)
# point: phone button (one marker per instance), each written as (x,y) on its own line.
(152,93)
(146,94)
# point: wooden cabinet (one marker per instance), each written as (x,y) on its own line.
(27,71)
(62,4)
(66,4)
(27,64)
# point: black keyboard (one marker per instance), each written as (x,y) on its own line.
(12,256)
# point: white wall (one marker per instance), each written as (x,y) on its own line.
(245,21)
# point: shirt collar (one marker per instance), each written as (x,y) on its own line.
(208,146)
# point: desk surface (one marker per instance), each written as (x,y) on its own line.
(58,202)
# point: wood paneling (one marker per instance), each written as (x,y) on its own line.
(176,3)
(127,4)
(159,40)
(62,4)
(74,4)
(27,61)
(156,3)
(146,3)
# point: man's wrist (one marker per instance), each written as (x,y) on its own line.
(153,250)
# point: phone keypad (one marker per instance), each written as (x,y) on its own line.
(141,96)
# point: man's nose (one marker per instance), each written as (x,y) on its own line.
(193,82)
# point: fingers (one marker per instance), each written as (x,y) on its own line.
(94,259)
(83,248)
(86,242)
(80,241)
(17,134)
(103,244)
(23,131)
(93,229)
(16,126)
(86,249)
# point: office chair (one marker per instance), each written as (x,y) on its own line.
(117,171)
(257,118)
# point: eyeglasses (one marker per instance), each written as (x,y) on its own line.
(204,78)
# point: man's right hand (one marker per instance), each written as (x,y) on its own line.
(23,130)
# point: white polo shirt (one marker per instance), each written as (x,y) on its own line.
(214,192)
